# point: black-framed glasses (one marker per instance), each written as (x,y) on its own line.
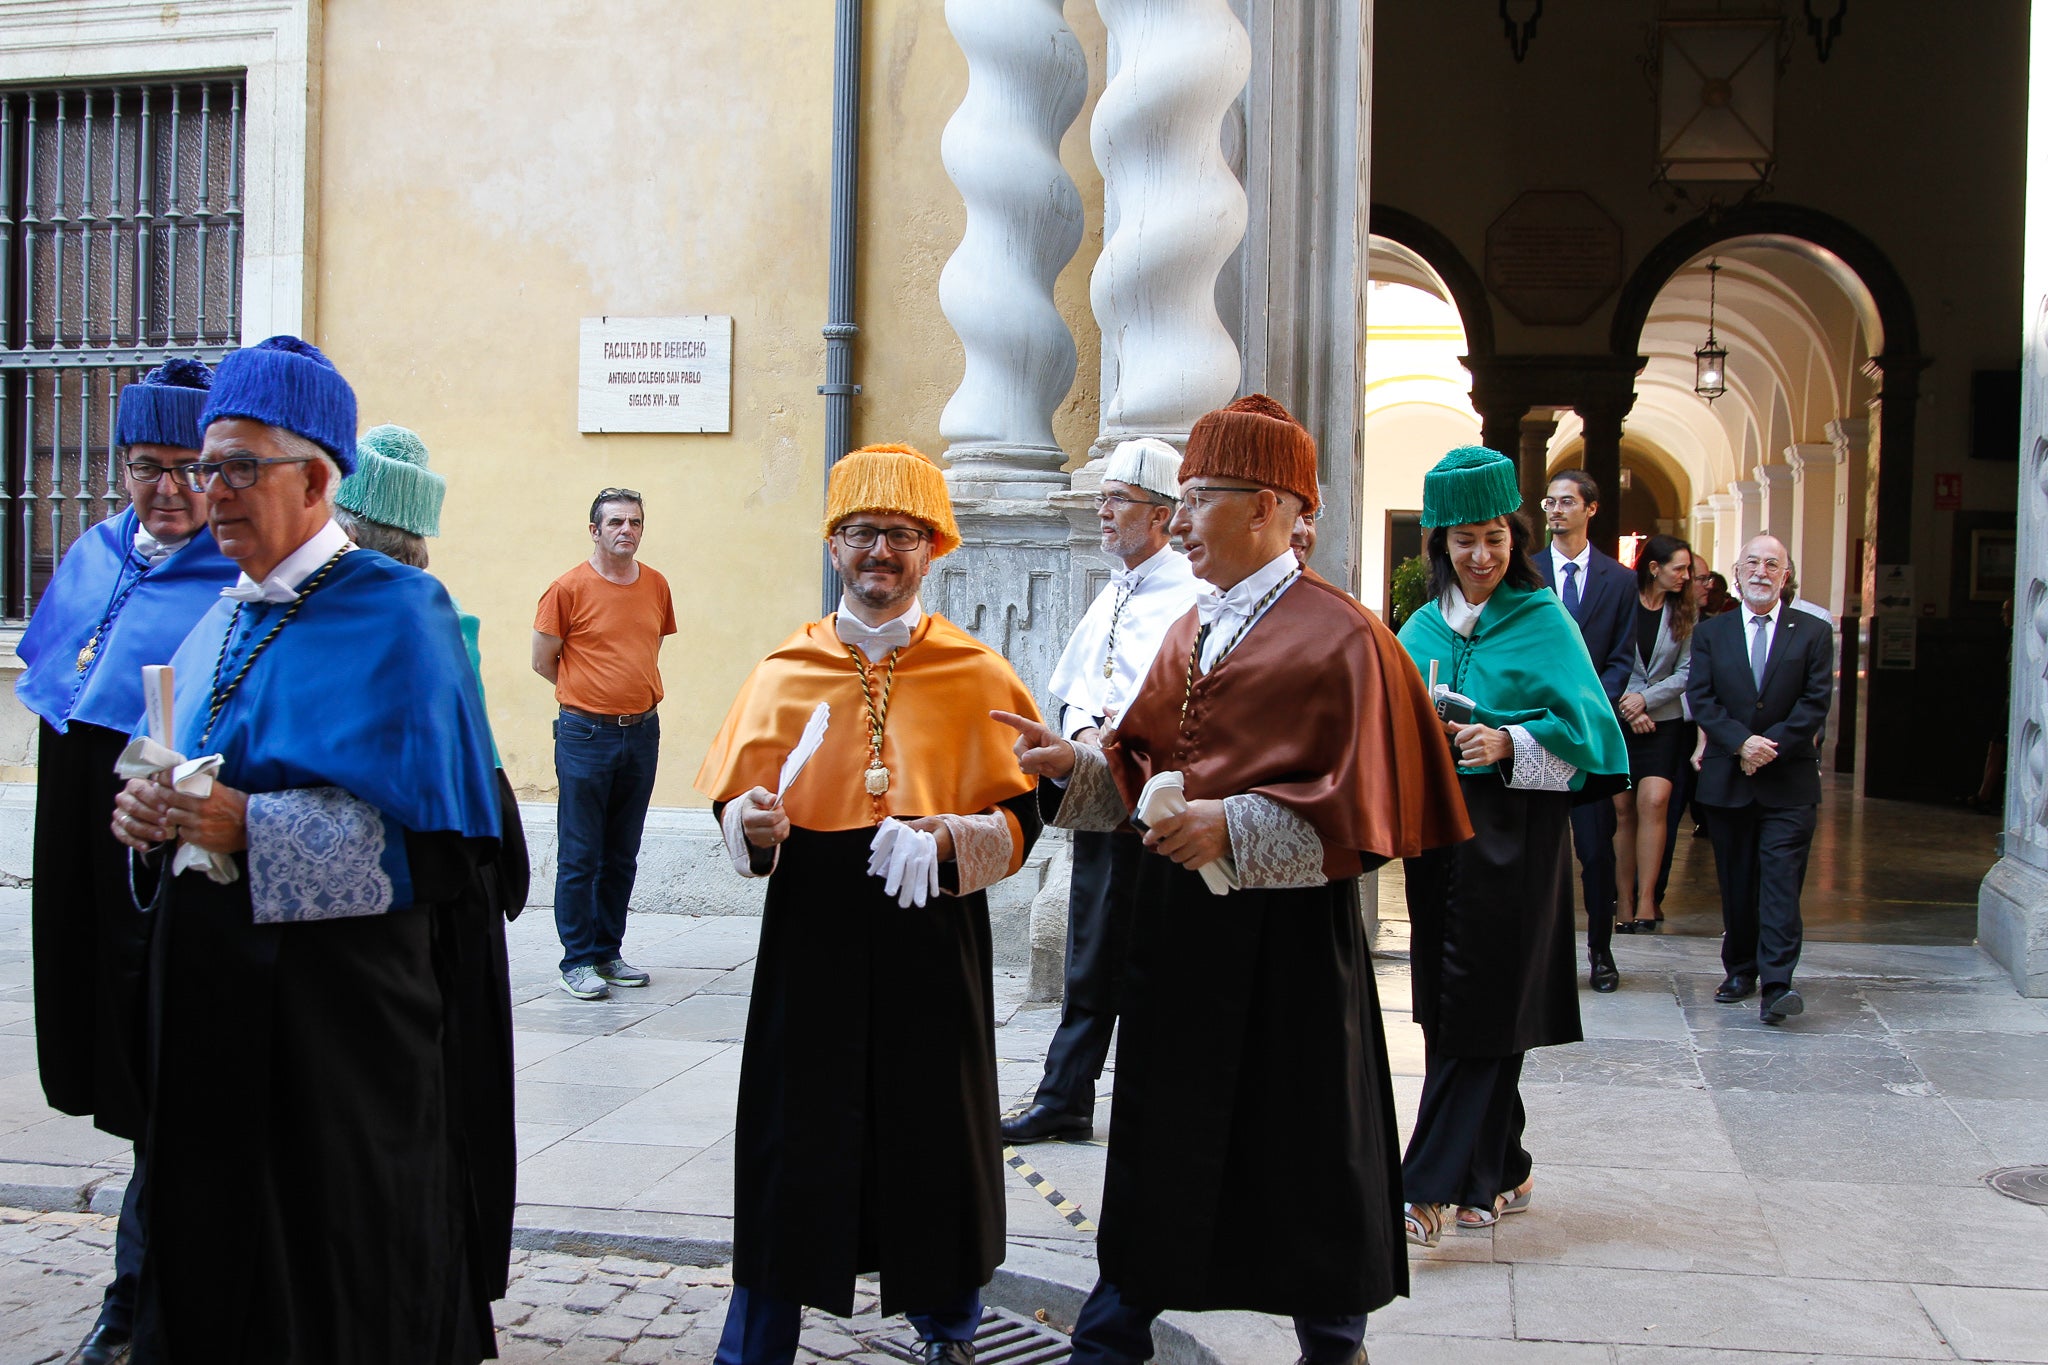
(149,471)
(901,539)
(1196,495)
(241,471)
(1119,501)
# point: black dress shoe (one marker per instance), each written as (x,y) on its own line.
(948,1353)
(1779,1002)
(1604,977)
(103,1345)
(1736,988)
(1041,1121)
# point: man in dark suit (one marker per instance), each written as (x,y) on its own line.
(1601,596)
(1762,678)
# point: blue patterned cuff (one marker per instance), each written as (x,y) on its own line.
(319,853)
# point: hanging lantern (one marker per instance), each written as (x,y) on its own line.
(1710,361)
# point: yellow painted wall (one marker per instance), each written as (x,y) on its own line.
(484,185)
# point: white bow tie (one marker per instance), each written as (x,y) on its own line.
(873,641)
(157,551)
(269,590)
(1125,580)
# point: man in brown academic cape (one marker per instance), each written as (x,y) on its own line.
(867,1112)
(1253,1108)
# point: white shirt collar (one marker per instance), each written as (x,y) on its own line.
(1133,578)
(1460,615)
(1242,596)
(1749,614)
(1584,559)
(909,618)
(291,571)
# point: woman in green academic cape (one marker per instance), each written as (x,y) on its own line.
(1493,958)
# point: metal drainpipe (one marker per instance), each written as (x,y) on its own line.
(840,329)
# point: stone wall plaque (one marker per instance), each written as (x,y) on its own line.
(1553,257)
(655,374)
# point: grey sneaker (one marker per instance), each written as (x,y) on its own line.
(584,983)
(619,972)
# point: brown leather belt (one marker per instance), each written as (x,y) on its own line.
(608,720)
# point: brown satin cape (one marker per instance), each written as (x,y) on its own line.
(1317,708)
(945,756)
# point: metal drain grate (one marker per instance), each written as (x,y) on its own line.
(2028,1184)
(1004,1338)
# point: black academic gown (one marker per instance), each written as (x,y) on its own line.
(1253,1110)
(331,1103)
(867,1134)
(1493,944)
(91,943)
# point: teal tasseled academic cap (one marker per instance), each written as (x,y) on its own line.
(1472,483)
(392,483)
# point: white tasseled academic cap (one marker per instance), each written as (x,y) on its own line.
(1148,463)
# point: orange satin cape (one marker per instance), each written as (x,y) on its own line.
(945,756)
(1318,708)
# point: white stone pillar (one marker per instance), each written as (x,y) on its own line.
(2012,906)
(1850,440)
(1727,533)
(1026,78)
(1749,515)
(1702,533)
(1173,212)
(1776,482)
(1813,523)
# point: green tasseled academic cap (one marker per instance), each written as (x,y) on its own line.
(1472,483)
(392,483)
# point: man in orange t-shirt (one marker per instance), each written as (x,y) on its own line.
(597,637)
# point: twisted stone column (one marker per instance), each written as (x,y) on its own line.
(1173,212)
(1026,78)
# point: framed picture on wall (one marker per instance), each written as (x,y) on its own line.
(1993,560)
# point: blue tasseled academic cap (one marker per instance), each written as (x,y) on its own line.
(163,408)
(285,382)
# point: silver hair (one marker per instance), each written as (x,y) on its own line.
(299,447)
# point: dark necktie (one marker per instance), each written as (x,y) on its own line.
(1571,590)
(1758,650)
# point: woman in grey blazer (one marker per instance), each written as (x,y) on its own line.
(1652,710)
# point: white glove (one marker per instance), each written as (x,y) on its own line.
(907,860)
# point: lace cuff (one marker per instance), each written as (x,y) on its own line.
(1271,845)
(981,850)
(1535,768)
(1091,801)
(319,853)
(747,860)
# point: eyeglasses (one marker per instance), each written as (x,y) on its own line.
(901,539)
(149,471)
(1558,504)
(240,472)
(1196,496)
(1773,565)
(1120,502)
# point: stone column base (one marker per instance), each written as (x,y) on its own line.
(2012,922)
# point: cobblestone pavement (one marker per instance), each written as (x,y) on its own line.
(561,1309)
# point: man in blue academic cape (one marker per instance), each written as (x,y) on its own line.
(318,1163)
(124,595)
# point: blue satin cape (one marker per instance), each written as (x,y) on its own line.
(368,689)
(157,615)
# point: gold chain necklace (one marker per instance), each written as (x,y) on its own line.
(1195,654)
(877,777)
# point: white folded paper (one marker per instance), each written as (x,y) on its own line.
(806,745)
(907,861)
(194,776)
(1166,794)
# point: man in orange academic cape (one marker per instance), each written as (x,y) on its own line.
(1253,1107)
(867,1112)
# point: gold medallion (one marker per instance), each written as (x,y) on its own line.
(877,780)
(1108,669)
(92,647)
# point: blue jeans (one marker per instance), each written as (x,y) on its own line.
(606,776)
(762,1330)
